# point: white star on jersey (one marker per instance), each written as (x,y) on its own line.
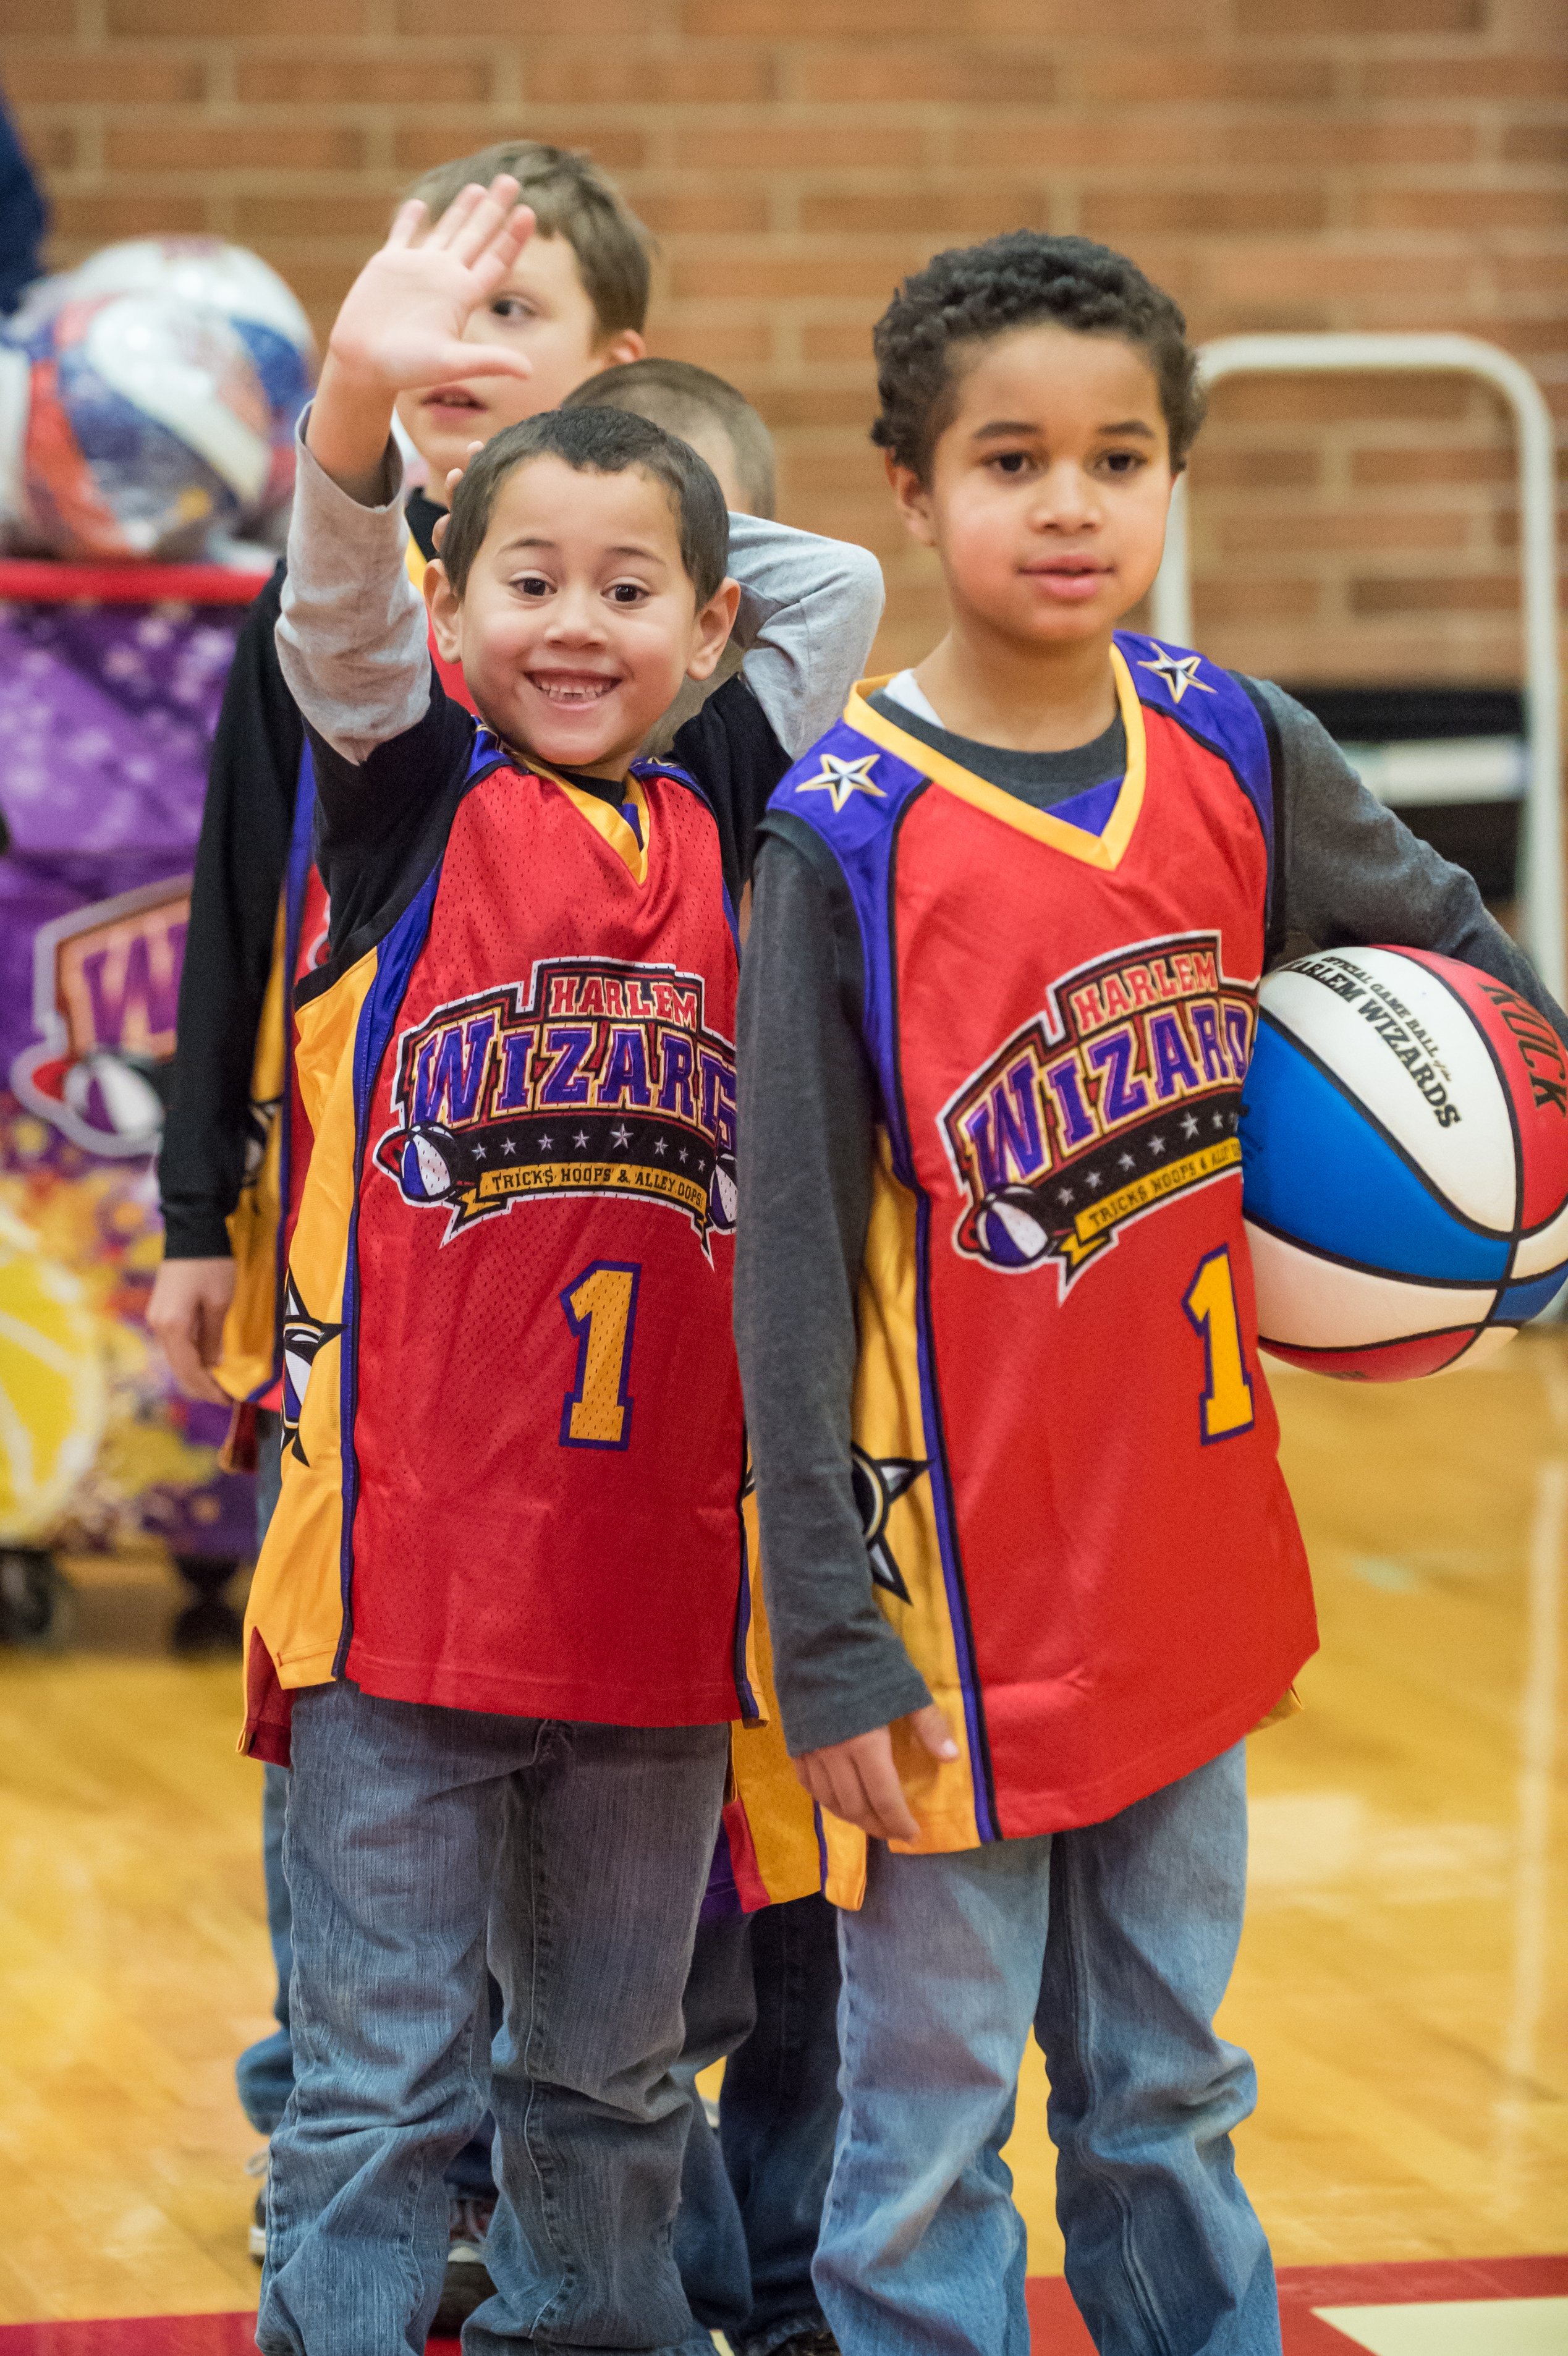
(1178,671)
(841,779)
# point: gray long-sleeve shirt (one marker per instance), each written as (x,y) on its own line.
(1350,871)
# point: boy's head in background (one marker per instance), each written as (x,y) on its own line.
(576,300)
(700,408)
(722,426)
(1038,399)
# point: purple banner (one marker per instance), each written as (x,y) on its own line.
(106,715)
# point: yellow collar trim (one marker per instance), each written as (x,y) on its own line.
(415,562)
(605,819)
(1105,850)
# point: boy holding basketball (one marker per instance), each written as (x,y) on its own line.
(1032,1570)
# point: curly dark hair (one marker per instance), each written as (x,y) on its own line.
(1021,280)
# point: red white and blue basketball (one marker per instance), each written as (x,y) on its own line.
(1404,1141)
(160,386)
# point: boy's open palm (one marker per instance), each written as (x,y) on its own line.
(401,326)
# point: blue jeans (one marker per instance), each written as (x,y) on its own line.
(764,1990)
(419,1839)
(1116,1941)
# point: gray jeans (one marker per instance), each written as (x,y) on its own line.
(592,1843)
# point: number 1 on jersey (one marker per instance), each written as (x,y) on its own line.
(600,1305)
(1211,1304)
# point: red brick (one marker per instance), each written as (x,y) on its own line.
(1185,77)
(180,144)
(964,208)
(1265,530)
(818,404)
(1442,464)
(724,347)
(1321,146)
(839,339)
(1294,19)
(209,20)
(1215,213)
(129,213)
(1377,277)
(118,77)
(952,73)
(805,20)
(1135,23)
(639,75)
(1476,80)
(311,79)
(1536,143)
(770,146)
(606,20)
(419,146)
(50,144)
(756,272)
(1255,469)
(1438,593)
(360,219)
(1078,144)
(1468,210)
(1245,596)
(700,211)
(1321,401)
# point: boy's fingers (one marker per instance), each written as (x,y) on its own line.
(488,218)
(457,362)
(885,1798)
(407,222)
(446,231)
(931,1724)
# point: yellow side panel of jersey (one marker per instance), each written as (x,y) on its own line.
(296,1604)
(889,1431)
(778,1813)
(249,1330)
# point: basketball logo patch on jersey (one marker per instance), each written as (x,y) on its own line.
(1125,1093)
(593,1078)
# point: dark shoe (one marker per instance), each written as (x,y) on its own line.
(468,2284)
(817,2341)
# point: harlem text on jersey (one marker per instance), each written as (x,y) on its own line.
(1125,1092)
(593,1078)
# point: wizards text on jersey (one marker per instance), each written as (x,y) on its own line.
(596,1078)
(1126,1091)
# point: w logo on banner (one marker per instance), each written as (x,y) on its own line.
(106,993)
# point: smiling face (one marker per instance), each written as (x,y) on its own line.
(541,309)
(1049,489)
(578,620)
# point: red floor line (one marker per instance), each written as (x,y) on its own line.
(1058,2328)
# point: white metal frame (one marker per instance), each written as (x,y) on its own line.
(1249,355)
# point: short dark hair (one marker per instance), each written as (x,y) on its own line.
(571,198)
(595,442)
(681,397)
(1024,279)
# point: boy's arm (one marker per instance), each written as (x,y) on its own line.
(1354,873)
(809,611)
(352,635)
(806,1126)
(246,819)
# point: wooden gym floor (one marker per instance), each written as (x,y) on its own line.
(1401,1981)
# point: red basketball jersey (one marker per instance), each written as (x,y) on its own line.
(513,1441)
(1064,1441)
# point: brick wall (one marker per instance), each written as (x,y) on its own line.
(1277,163)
